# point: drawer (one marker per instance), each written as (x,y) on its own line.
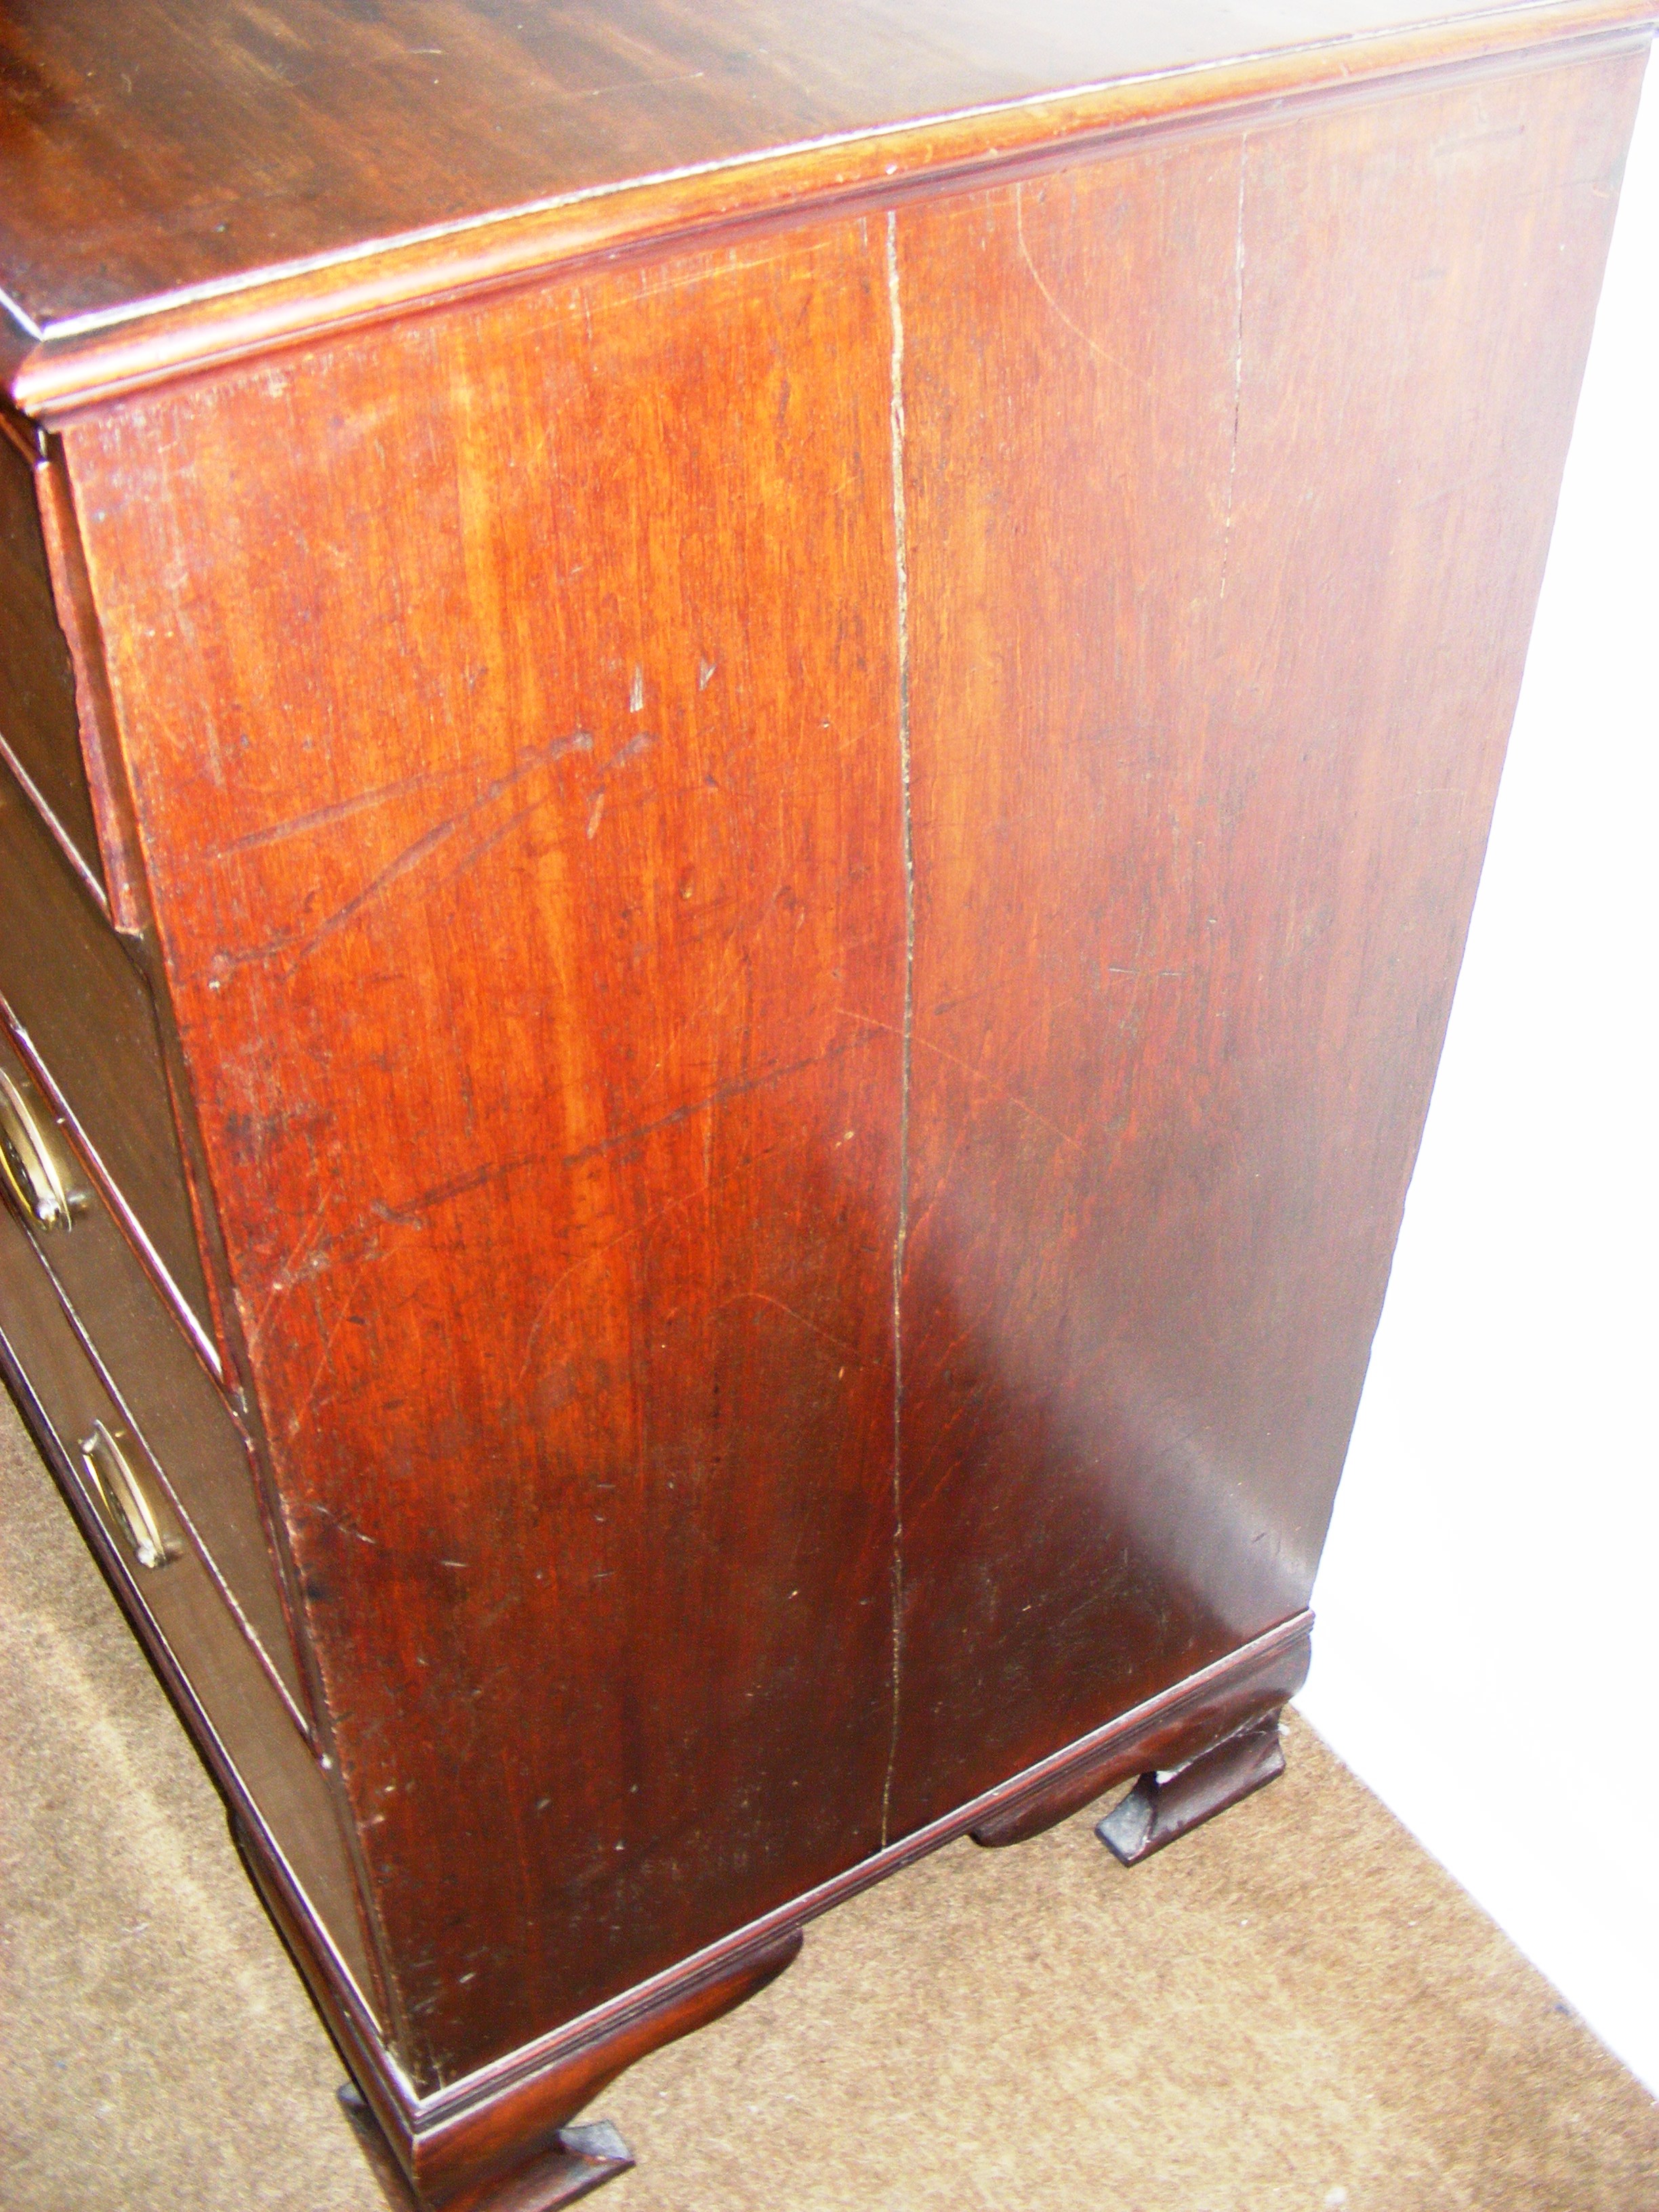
(165,1394)
(39,728)
(246,1726)
(69,986)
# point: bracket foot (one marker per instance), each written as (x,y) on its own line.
(580,2157)
(1163,1806)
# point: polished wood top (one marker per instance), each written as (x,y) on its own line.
(161,148)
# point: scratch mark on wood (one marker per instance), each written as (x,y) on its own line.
(1099,351)
(595,814)
(346,1528)
(710,1008)
(292,1270)
(298,948)
(637,744)
(705,674)
(630,84)
(719,1097)
(476,851)
(942,1179)
(323,818)
(414,1210)
(765,1297)
(727,1090)
(298,1419)
(636,691)
(544,1305)
(1008,1097)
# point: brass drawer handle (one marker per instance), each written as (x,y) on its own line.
(35,1182)
(122,1496)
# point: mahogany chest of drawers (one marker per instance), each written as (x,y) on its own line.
(741,768)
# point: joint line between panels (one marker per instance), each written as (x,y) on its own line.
(901,563)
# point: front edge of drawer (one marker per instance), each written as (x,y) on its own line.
(234,1709)
(165,1394)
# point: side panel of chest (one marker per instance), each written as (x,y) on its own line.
(1230,467)
(510,698)
(912,786)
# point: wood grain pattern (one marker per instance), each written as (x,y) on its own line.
(803,827)
(154,146)
(200,290)
(1220,604)
(540,985)
(539,2075)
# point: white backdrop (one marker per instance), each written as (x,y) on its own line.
(1487,1656)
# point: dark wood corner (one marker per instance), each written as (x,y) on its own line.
(578,2159)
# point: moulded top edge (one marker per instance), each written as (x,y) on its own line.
(199,216)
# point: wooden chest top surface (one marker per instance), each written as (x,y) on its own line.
(155,147)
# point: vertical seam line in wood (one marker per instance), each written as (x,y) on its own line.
(900,565)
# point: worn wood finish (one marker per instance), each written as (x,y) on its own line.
(209,141)
(474,2118)
(1208,704)
(789,724)
(58,366)
(456,2156)
(550,977)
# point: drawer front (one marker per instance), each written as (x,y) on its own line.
(177,1603)
(38,726)
(165,1394)
(69,988)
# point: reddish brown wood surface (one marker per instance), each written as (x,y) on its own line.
(473,2122)
(153,145)
(582,2159)
(1230,471)
(524,844)
(530,861)
(277,163)
(809,888)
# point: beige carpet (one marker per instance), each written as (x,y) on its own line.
(1293,2010)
